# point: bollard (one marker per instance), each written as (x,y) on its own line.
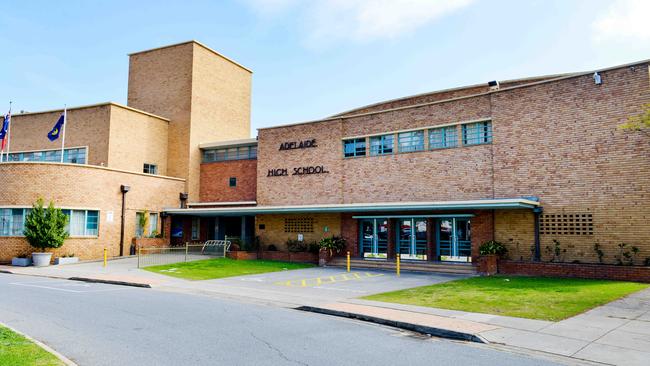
(105,257)
(348,262)
(398,265)
(139,255)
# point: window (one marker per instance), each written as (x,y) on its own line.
(139,229)
(477,133)
(443,137)
(153,224)
(150,168)
(195,228)
(299,225)
(566,224)
(354,147)
(411,141)
(233,182)
(381,145)
(12,221)
(72,156)
(233,153)
(82,222)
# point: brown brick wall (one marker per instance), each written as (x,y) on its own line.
(87,127)
(215,181)
(273,232)
(594,271)
(557,141)
(206,97)
(84,187)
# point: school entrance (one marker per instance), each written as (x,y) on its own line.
(417,238)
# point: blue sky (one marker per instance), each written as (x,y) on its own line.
(312,58)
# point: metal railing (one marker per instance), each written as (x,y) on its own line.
(190,252)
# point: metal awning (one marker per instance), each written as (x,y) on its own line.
(484,204)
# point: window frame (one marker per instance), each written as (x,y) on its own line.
(195,230)
(410,139)
(248,152)
(382,147)
(232,182)
(448,137)
(149,168)
(359,147)
(481,133)
(69,212)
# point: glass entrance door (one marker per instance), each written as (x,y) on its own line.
(412,239)
(454,240)
(374,238)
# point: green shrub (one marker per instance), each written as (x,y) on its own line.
(332,244)
(45,227)
(493,247)
(296,246)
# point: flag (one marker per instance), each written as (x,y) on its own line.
(56,130)
(4,129)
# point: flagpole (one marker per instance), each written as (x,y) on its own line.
(65,122)
(9,134)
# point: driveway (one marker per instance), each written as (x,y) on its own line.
(310,286)
(98,324)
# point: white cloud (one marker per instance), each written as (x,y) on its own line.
(360,20)
(624,20)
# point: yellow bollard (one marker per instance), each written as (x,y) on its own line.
(105,257)
(348,262)
(398,265)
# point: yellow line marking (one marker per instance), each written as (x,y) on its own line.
(317,281)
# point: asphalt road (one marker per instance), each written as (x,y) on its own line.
(97,324)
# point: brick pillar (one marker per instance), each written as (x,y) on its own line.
(431,239)
(391,240)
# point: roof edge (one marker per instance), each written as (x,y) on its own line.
(103,104)
(566,76)
(197,43)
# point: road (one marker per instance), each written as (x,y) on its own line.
(98,324)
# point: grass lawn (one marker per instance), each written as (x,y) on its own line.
(16,350)
(209,269)
(524,297)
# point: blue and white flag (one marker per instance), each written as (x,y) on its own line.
(56,130)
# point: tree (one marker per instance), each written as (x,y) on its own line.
(45,227)
(640,122)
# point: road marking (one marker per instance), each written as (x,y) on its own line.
(318,281)
(65,284)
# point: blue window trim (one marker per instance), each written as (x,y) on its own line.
(448,137)
(386,145)
(410,141)
(477,133)
(353,148)
(73,155)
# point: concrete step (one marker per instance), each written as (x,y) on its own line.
(433,267)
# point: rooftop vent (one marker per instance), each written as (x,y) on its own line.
(494,85)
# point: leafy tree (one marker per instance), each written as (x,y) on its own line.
(640,122)
(45,227)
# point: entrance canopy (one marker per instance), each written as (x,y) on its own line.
(484,204)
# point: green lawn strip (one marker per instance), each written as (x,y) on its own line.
(525,297)
(16,350)
(209,269)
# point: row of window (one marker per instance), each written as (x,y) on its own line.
(232,153)
(443,137)
(80,222)
(73,156)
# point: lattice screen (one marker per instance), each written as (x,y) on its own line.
(299,225)
(566,224)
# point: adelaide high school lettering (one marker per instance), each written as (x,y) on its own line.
(305,144)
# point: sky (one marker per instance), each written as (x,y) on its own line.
(312,58)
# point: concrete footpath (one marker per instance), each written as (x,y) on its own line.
(617,333)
